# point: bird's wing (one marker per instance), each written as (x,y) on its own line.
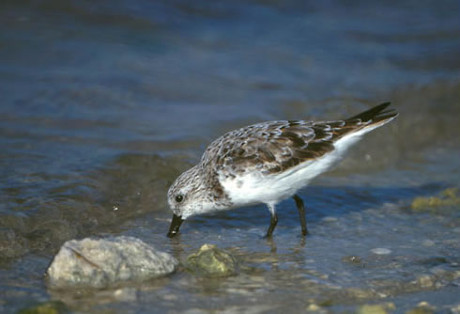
(272,147)
(269,147)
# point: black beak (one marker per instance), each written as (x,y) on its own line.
(175,225)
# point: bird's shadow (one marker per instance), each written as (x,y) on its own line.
(319,202)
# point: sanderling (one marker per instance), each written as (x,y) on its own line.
(267,163)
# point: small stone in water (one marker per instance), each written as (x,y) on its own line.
(425,281)
(381,251)
(377,308)
(435,204)
(49,307)
(211,261)
(422,308)
(428,243)
(313,308)
(330,219)
(352,259)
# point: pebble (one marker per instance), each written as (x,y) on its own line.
(352,259)
(211,261)
(377,308)
(428,243)
(49,307)
(381,251)
(422,308)
(330,219)
(425,281)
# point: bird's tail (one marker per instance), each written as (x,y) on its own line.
(377,116)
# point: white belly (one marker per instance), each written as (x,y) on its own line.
(256,188)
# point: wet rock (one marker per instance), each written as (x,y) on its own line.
(376,308)
(314,308)
(422,308)
(211,261)
(428,243)
(434,204)
(455,309)
(434,261)
(50,307)
(352,259)
(426,281)
(100,263)
(381,251)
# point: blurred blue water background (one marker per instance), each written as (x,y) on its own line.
(103,103)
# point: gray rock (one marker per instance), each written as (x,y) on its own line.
(100,263)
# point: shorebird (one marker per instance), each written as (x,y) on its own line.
(266,163)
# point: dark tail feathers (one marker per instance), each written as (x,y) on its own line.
(378,113)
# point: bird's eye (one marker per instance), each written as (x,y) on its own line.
(179,198)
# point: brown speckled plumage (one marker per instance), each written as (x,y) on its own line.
(254,164)
(275,146)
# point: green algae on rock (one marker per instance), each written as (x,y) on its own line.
(211,261)
(49,307)
(376,308)
(434,204)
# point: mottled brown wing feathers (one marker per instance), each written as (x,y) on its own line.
(270,147)
(273,147)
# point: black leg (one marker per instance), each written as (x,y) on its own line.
(273,220)
(301,209)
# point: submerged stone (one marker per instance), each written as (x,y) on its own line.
(50,307)
(353,259)
(100,263)
(211,261)
(381,251)
(377,308)
(422,308)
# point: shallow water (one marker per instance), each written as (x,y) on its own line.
(104,104)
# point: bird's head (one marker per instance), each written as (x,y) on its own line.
(187,196)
